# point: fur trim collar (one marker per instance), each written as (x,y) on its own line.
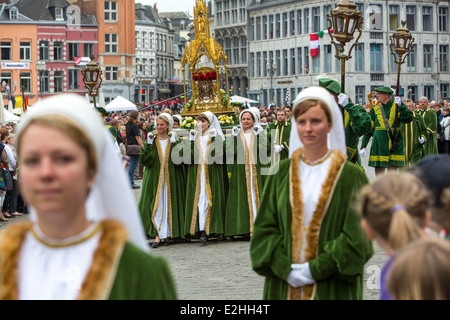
(100,277)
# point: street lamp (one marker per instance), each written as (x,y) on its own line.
(92,78)
(41,68)
(271,69)
(129,85)
(401,45)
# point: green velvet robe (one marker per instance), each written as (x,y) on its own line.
(430,119)
(279,133)
(380,154)
(239,215)
(153,168)
(216,182)
(411,132)
(337,247)
(357,123)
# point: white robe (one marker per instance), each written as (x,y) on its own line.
(248,135)
(203,201)
(161,216)
(47,273)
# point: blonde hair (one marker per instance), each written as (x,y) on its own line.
(394,206)
(72,130)
(420,271)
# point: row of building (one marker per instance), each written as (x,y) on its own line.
(45,43)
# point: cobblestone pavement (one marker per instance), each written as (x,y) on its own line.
(221,270)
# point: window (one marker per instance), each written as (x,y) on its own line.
(89,50)
(258,64)
(278,62)
(111,43)
(427,57)
(25,51)
(392,64)
(285,63)
(292,23)
(25,78)
(316,19)
(13,14)
(271,27)
(112,73)
(74,83)
(299,59)
(306,55)
(316,64)
(427,20)
(306,20)
(292,67)
(59,81)
(251,33)
(428,91)
(44,82)
(73,51)
(58,51)
(359,57)
(258,28)
(413,93)
(411,61)
(59,15)
(6,50)
(285,25)
(251,67)
(265,35)
(393,17)
(411,18)
(43,50)
(376,57)
(110,11)
(360,94)
(443,58)
(264,64)
(299,22)
(5,78)
(327,65)
(326,11)
(375,17)
(444,91)
(443,19)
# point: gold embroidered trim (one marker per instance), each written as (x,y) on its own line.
(322,160)
(63,244)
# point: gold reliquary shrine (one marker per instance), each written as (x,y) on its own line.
(204,64)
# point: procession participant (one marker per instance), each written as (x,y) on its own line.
(387,150)
(312,194)
(84,238)
(288,110)
(414,134)
(206,180)
(244,148)
(430,119)
(177,119)
(160,204)
(278,136)
(356,120)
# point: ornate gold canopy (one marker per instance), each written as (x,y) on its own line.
(205,58)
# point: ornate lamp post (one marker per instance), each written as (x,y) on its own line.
(401,45)
(92,78)
(271,69)
(41,67)
(343,22)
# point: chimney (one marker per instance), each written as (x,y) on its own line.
(155,7)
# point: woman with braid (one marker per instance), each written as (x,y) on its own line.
(395,209)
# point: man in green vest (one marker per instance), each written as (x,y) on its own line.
(430,119)
(387,150)
(278,133)
(414,134)
(356,119)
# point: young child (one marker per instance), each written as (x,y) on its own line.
(395,209)
(420,271)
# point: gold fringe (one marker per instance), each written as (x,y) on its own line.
(101,274)
(313,231)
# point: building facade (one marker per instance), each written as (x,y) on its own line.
(279,58)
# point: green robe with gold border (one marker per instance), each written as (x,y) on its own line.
(119,269)
(216,183)
(336,245)
(430,119)
(380,153)
(154,169)
(239,213)
(357,123)
(411,132)
(279,133)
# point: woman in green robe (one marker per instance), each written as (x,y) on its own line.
(205,188)
(246,151)
(84,239)
(307,239)
(160,204)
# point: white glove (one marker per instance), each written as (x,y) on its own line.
(300,275)
(277,148)
(257,129)
(213,132)
(235,131)
(422,140)
(398,101)
(172,137)
(362,152)
(343,99)
(192,135)
(150,138)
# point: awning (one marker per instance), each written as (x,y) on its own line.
(164,90)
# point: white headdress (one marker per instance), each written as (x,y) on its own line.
(110,196)
(214,123)
(255,113)
(336,137)
(167,117)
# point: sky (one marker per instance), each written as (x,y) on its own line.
(171,5)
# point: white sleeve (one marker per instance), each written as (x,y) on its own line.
(11,159)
